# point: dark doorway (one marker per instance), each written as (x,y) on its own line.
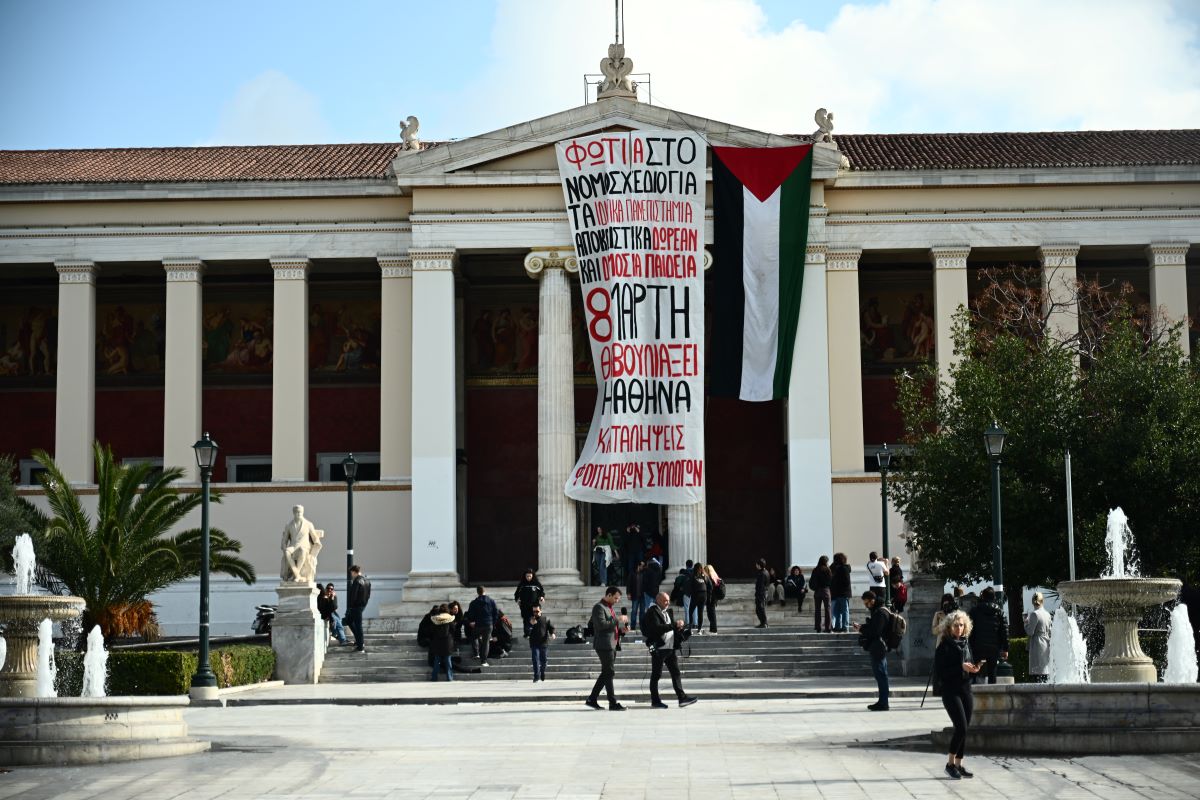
(615,518)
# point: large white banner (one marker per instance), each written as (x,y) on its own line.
(636,205)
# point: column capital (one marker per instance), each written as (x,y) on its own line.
(949,256)
(290,268)
(1167,254)
(843,259)
(188,270)
(1058,255)
(542,258)
(76,271)
(434,260)
(395,266)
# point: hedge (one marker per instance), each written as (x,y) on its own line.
(1018,657)
(166,672)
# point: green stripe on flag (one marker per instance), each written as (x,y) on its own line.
(793,242)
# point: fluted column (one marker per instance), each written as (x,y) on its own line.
(395,369)
(182,401)
(1168,284)
(845,360)
(558,559)
(1058,289)
(75,395)
(434,518)
(289,371)
(949,293)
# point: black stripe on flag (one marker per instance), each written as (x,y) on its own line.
(729,291)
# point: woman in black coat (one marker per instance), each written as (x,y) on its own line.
(818,581)
(441,642)
(954,667)
(698,589)
(795,587)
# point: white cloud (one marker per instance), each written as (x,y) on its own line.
(898,65)
(271,108)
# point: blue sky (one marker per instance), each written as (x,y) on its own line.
(137,73)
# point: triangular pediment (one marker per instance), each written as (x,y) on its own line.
(526,150)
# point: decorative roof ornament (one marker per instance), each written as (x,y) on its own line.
(616,70)
(824,131)
(408,134)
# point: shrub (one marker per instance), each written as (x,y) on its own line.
(166,672)
(1018,656)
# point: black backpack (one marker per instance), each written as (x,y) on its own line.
(575,635)
(719,590)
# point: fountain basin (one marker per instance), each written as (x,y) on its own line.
(1083,719)
(1122,602)
(93,730)
(21,615)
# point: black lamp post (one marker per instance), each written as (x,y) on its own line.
(204,680)
(884,457)
(350,470)
(993,441)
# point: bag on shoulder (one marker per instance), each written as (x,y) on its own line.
(719,590)
(366,588)
(895,629)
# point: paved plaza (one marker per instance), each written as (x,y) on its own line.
(755,748)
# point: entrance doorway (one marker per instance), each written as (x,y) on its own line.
(614,518)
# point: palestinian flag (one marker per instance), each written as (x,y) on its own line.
(760,230)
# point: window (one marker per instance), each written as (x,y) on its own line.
(30,470)
(329,467)
(248,469)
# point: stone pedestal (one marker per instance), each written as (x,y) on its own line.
(298,634)
(924,599)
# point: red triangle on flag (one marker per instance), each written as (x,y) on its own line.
(762,170)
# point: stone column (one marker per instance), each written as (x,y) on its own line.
(845,360)
(75,395)
(395,369)
(434,542)
(558,559)
(182,395)
(1058,289)
(1168,284)
(289,371)
(949,293)
(810,466)
(687,533)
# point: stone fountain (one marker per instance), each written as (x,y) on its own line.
(1122,603)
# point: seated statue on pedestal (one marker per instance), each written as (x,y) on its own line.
(301,544)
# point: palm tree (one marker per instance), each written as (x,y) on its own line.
(128,552)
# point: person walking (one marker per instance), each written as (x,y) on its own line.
(481,616)
(878,570)
(1037,628)
(664,636)
(327,604)
(698,590)
(955,667)
(795,587)
(359,596)
(761,584)
(528,595)
(716,593)
(989,633)
(871,637)
(607,628)
(441,642)
(541,631)
(840,592)
(819,581)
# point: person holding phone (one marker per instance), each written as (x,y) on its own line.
(956,668)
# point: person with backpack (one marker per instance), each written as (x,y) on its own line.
(819,581)
(795,587)
(954,667)
(840,592)
(481,616)
(872,637)
(877,569)
(698,590)
(716,594)
(529,594)
(357,599)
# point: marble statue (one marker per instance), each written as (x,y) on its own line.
(408,134)
(301,543)
(616,69)
(824,131)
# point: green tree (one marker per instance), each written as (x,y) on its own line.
(1122,399)
(128,551)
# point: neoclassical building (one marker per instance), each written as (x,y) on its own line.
(413,305)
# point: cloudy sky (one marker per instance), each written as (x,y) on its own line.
(131,73)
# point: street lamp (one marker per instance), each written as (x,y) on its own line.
(350,470)
(204,682)
(884,457)
(993,442)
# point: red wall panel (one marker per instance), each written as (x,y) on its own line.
(130,421)
(239,419)
(26,422)
(342,419)
(881,421)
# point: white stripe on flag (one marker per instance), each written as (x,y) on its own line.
(760,275)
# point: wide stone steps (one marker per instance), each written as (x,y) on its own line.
(736,653)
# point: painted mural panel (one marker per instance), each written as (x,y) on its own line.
(237,335)
(131,340)
(896,323)
(502,336)
(29,338)
(344,333)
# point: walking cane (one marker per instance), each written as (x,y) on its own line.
(927,685)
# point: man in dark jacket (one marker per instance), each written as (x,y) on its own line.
(425,631)
(761,584)
(652,577)
(872,638)
(359,596)
(664,636)
(607,629)
(481,616)
(541,631)
(529,594)
(989,633)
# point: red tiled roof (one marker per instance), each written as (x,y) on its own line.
(888,151)
(873,151)
(194,164)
